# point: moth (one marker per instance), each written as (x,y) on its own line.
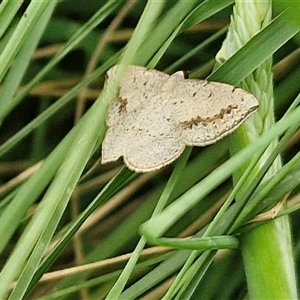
(155,116)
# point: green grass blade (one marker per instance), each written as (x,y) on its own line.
(8,10)
(264,43)
(55,200)
(191,17)
(111,188)
(54,108)
(117,289)
(28,21)
(22,60)
(100,16)
(162,222)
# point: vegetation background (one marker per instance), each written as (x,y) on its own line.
(69,225)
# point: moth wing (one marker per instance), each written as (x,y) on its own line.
(137,86)
(208,111)
(156,141)
(115,141)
